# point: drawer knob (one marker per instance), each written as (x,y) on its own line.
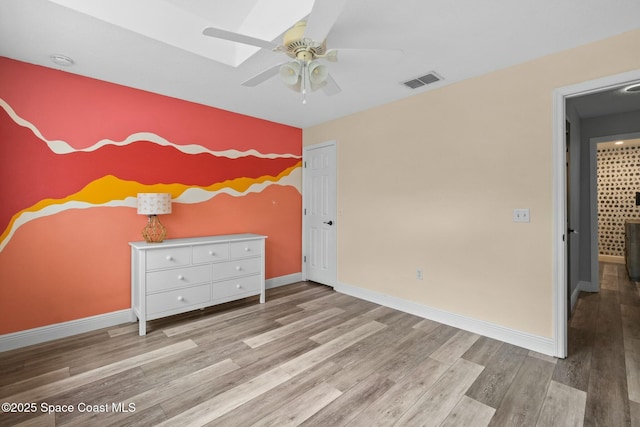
(238,286)
(247,249)
(238,268)
(180,298)
(169,257)
(212,253)
(180,277)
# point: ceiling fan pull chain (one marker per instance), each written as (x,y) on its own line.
(304,76)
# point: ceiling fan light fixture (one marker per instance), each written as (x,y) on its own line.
(317,73)
(331,55)
(302,76)
(290,73)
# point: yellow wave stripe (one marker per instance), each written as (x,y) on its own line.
(110,188)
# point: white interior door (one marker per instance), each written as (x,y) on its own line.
(319,210)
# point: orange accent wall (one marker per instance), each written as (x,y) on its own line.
(64,254)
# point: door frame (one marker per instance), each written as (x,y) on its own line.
(305,150)
(560,261)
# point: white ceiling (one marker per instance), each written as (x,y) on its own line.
(457,39)
(606,102)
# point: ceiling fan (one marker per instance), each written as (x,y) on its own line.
(305,44)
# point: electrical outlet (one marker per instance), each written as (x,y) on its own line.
(521,215)
(419,274)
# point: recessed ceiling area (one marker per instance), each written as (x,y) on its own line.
(611,101)
(158,45)
(179,23)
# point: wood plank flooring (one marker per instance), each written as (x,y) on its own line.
(313,357)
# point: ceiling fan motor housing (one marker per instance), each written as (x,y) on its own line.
(299,47)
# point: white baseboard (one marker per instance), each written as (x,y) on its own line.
(66,329)
(574,295)
(588,286)
(522,339)
(611,258)
(582,287)
(283,280)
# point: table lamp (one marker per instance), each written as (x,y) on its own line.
(154,204)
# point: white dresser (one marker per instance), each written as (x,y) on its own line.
(180,275)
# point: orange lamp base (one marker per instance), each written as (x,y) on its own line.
(154,231)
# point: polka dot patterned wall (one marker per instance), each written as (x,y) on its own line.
(618,182)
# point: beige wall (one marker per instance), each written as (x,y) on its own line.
(431,182)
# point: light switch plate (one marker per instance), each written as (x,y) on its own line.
(521,215)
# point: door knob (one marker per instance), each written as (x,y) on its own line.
(328,222)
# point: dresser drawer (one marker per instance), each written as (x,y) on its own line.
(178,300)
(241,267)
(237,287)
(168,257)
(178,278)
(246,248)
(210,253)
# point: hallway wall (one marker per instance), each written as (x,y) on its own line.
(596,127)
(618,181)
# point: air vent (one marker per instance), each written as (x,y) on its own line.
(422,81)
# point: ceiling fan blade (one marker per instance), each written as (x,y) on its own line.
(331,88)
(263,76)
(364,55)
(322,17)
(239,38)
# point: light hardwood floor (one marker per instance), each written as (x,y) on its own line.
(314,357)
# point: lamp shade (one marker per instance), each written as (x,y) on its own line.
(290,72)
(317,73)
(154,203)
